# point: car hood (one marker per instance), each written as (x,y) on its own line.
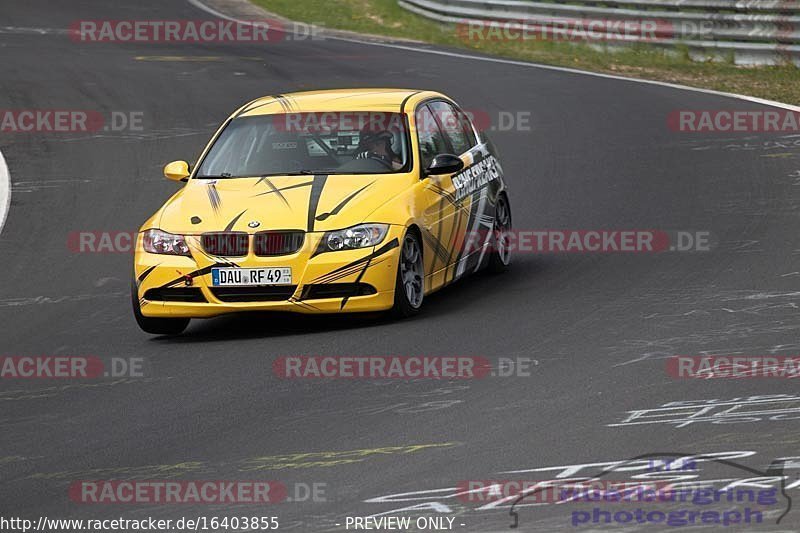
(309,203)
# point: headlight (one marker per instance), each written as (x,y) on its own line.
(359,236)
(156,241)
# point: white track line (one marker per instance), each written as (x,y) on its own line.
(5,191)
(198,4)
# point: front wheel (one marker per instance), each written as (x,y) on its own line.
(501,252)
(155,326)
(410,286)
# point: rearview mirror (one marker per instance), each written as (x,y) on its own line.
(177,170)
(444,164)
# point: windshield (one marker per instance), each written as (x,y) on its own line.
(309,143)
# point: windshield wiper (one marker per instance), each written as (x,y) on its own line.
(222,175)
(295,173)
(304,172)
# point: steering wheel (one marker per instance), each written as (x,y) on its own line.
(375,157)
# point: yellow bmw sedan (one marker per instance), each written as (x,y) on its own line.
(324,202)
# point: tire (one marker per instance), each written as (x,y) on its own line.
(156,326)
(410,284)
(501,251)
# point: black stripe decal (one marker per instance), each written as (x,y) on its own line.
(233,222)
(300,303)
(358,279)
(277,191)
(444,193)
(467,236)
(345,273)
(284,103)
(380,251)
(438,248)
(276,98)
(330,278)
(251,105)
(146,273)
(274,189)
(313,202)
(341,205)
(451,248)
(213,197)
(291,101)
(439,224)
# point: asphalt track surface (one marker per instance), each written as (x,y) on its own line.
(598,326)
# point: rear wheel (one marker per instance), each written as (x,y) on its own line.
(155,326)
(410,286)
(501,252)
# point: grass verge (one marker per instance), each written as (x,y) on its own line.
(385,17)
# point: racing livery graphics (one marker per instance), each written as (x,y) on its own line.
(476,177)
(360,211)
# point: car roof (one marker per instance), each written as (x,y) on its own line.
(379,100)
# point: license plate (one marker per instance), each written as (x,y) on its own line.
(251,277)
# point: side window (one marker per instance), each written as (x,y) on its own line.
(466,123)
(430,137)
(452,123)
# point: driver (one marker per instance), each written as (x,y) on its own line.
(377,144)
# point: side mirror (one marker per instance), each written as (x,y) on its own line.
(177,171)
(444,164)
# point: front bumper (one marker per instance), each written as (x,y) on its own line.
(367,276)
